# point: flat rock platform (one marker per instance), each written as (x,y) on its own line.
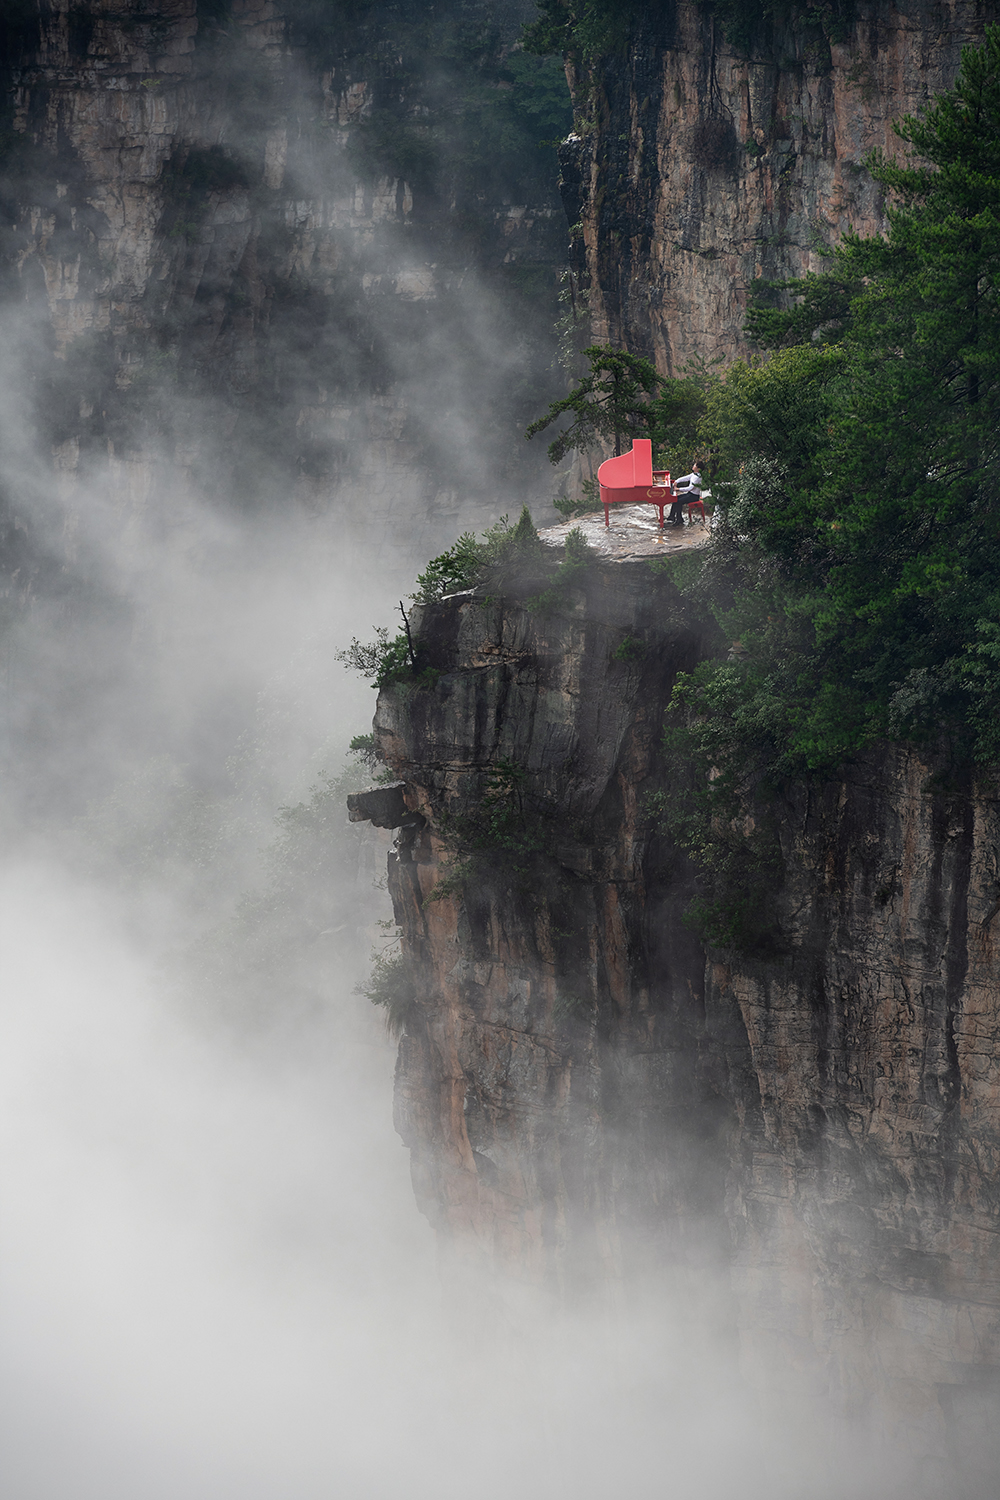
(633,533)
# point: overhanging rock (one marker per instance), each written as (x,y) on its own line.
(383,806)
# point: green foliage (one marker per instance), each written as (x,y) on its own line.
(391,986)
(363,746)
(612,403)
(589,29)
(501,839)
(774,410)
(584,504)
(820,313)
(195,171)
(385,659)
(454,570)
(573,322)
(629,648)
(750,24)
(678,414)
(383,146)
(727,822)
(504,556)
(577,558)
(501,552)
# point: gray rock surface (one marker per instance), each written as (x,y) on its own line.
(822,1129)
(698,172)
(382,806)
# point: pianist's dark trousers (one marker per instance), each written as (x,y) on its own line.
(675,516)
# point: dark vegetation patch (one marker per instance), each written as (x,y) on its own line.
(715,146)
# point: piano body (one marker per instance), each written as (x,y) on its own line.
(630,479)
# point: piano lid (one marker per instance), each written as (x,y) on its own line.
(629,470)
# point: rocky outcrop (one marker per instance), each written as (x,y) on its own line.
(586,1093)
(699,170)
(382,806)
(556,987)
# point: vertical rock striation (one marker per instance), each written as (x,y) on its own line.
(556,989)
(697,171)
(587,1095)
(865,1207)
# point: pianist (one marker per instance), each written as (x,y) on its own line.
(688,487)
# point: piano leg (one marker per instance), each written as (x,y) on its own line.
(606,520)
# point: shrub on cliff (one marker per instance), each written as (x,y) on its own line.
(577,558)
(391,986)
(385,659)
(502,552)
(505,558)
(502,837)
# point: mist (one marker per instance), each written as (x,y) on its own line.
(216,1281)
(215,1276)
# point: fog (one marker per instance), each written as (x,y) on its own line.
(215,1280)
(215,1277)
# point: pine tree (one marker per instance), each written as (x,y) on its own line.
(612,403)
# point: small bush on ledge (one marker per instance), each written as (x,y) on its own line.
(505,559)
(385,659)
(390,985)
(500,839)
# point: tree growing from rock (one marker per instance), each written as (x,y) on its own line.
(612,403)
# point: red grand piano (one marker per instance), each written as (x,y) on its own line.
(630,479)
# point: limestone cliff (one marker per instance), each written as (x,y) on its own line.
(699,170)
(587,1095)
(252,245)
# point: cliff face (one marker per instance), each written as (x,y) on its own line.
(698,171)
(558,987)
(864,1198)
(244,253)
(587,1098)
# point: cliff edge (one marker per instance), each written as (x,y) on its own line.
(588,1095)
